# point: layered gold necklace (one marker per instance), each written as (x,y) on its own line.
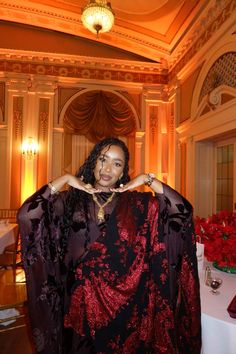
(101,212)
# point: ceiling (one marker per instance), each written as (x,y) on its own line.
(154,30)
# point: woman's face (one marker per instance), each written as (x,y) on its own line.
(109,167)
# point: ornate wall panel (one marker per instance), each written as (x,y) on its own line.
(16,151)
(152,139)
(4,171)
(57,155)
(171,145)
(43,125)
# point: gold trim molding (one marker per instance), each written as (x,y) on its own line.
(86,68)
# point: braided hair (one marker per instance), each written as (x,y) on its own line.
(81,198)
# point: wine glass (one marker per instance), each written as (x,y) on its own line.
(215,283)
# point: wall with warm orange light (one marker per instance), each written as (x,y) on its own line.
(172,117)
(186,93)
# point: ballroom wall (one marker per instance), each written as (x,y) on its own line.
(37,96)
(207,120)
(172,117)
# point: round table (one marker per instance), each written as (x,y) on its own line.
(218,328)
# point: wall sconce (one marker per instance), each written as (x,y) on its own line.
(29,148)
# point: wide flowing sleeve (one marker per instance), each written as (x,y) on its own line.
(176,226)
(39,221)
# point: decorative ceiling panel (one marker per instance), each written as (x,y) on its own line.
(162,31)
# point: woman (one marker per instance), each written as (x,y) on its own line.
(110,270)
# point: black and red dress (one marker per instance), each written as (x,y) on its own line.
(126,285)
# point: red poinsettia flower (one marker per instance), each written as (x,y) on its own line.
(218,233)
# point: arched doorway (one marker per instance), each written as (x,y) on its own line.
(92,115)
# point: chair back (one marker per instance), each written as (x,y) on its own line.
(11,257)
(9,214)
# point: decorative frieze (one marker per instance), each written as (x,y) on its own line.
(214,18)
(32,63)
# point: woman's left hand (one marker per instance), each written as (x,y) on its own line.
(134,183)
(139,180)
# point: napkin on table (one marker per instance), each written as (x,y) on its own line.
(232,308)
(7,314)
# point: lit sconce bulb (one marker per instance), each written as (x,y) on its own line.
(29,148)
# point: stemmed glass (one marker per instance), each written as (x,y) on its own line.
(215,283)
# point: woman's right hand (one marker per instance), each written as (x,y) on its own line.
(75,182)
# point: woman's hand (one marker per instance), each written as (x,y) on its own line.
(75,182)
(134,183)
(78,183)
(139,180)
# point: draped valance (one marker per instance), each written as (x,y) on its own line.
(98,114)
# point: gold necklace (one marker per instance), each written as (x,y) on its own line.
(101,212)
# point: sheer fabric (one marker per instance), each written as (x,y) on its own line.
(133,288)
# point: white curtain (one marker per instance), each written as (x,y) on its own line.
(81,148)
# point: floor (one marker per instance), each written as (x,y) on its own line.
(17,340)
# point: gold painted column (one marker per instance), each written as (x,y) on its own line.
(159,137)
(43,131)
(16,156)
(139,153)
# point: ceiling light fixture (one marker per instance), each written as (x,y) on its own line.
(98,16)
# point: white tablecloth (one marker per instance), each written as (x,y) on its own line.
(6,235)
(218,328)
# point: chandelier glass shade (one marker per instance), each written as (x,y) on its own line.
(98,16)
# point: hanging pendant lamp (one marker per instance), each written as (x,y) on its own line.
(98,16)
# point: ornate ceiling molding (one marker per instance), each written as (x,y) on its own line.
(69,22)
(215,16)
(206,21)
(32,63)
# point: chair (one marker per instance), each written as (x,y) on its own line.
(10,257)
(9,214)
